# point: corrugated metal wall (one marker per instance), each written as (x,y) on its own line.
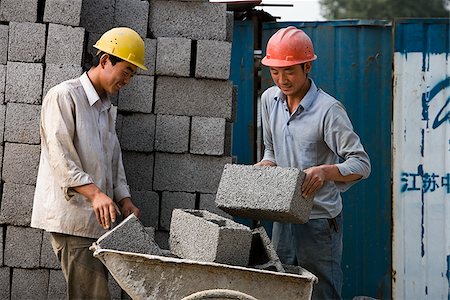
(355,65)
(421,156)
(242,75)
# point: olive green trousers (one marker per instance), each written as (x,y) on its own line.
(86,276)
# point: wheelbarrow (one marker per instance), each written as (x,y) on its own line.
(144,276)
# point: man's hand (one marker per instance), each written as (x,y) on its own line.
(314,180)
(265,163)
(104,207)
(127,207)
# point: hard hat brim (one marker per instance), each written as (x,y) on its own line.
(280,63)
(141,66)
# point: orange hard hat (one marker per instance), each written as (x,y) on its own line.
(287,47)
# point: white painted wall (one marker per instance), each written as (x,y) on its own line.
(421,201)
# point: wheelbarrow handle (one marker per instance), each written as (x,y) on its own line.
(219,293)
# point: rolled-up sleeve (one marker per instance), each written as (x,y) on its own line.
(343,141)
(267,133)
(57,132)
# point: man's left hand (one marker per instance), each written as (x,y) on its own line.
(127,207)
(314,180)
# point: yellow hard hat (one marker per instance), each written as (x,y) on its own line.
(124,43)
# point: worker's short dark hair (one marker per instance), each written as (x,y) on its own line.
(96,59)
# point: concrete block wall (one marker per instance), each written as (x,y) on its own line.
(174,120)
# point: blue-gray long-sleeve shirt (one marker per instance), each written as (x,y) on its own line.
(319,132)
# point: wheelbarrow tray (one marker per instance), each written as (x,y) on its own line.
(145,276)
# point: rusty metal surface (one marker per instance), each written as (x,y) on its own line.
(157,277)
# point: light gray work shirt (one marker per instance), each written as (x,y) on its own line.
(319,132)
(79,146)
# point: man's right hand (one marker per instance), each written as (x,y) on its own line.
(105,209)
(265,163)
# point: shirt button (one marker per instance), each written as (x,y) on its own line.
(286,109)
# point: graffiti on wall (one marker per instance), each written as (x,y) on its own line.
(427,181)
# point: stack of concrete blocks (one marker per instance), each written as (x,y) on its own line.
(264,193)
(204,236)
(174,120)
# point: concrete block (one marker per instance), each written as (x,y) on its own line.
(213,59)
(162,238)
(55,74)
(132,14)
(139,170)
(171,201)
(173,56)
(29,284)
(148,203)
(204,236)
(130,236)
(48,258)
(137,96)
(228,139)
(2,79)
(57,286)
(19,10)
(208,202)
(97,16)
(65,12)
(17,204)
(22,123)
(64,45)
(90,51)
(172,133)
(20,163)
(263,193)
(201,97)
(188,173)
(24,82)
(150,57)
(5,282)
(138,132)
(2,121)
(26,42)
(4,32)
(262,253)
(207,136)
(230,26)
(22,247)
(1,247)
(210,24)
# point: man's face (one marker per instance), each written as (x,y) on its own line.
(117,76)
(291,80)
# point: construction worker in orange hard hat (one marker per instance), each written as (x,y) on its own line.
(81,186)
(305,128)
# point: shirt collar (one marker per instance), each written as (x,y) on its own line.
(91,93)
(307,100)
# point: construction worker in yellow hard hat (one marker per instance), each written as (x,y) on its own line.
(305,128)
(81,186)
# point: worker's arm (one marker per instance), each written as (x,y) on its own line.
(316,177)
(104,207)
(344,142)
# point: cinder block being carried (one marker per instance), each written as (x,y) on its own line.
(263,193)
(204,236)
(130,236)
